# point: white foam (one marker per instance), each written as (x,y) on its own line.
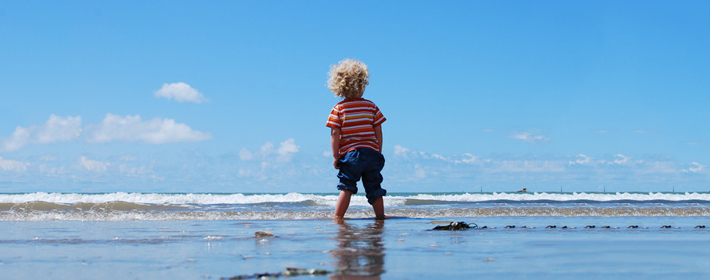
(330,199)
(411,212)
(600,197)
(159,198)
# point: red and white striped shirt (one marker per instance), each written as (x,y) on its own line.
(356,119)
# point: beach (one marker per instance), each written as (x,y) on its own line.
(54,243)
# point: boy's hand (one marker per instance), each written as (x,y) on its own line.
(336,164)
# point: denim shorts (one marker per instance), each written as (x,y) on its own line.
(365,163)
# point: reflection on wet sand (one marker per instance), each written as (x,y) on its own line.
(360,253)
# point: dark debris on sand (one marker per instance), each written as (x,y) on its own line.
(455,226)
(289,272)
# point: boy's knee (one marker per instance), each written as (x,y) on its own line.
(345,186)
(374,195)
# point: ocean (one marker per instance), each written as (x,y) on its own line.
(221,236)
(293,206)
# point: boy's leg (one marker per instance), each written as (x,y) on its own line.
(343,202)
(349,174)
(372,180)
(379,207)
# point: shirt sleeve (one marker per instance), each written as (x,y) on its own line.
(379,117)
(334,120)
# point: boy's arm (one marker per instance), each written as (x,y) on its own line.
(378,135)
(335,145)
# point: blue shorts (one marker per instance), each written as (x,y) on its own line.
(365,163)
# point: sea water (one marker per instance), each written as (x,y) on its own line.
(195,236)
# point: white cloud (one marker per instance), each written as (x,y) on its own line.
(440,157)
(94,165)
(111,128)
(19,138)
(58,129)
(13,165)
(697,168)
(620,159)
(400,151)
(267,148)
(283,153)
(52,171)
(133,171)
(245,154)
(529,137)
(55,129)
(287,149)
(581,160)
(469,159)
(155,131)
(182,92)
(128,158)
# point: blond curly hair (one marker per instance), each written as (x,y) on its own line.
(349,78)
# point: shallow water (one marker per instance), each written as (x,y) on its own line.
(400,248)
(191,236)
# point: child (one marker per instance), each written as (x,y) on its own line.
(356,137)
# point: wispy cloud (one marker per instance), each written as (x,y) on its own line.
(581,160)
(580,168)
(55,129)
(181,92)
(245,154)
(283,153)
(128,158)
(93,165)
(133,128)
(469,158)
(13,165)
(694,168)
(529,137)
(403,152)
(112,128)
(620,159)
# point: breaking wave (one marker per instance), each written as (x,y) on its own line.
(326,199)
(122,206)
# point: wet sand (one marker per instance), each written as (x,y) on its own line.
(403,248)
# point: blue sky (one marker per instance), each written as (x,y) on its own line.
(230,96)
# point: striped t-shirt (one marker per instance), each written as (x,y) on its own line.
(356,119)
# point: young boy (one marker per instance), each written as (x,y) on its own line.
(356,137)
